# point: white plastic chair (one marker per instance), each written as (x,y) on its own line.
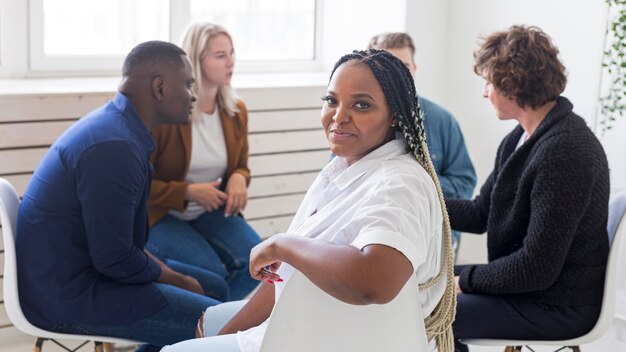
(617,209)
(9,204)
(616,241)
(307,319)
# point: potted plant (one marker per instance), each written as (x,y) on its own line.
(613,102)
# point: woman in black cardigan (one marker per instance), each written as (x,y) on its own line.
(544,206)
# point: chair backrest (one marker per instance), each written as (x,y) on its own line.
(617,231)
(617,209)
(307,319)
(9,206)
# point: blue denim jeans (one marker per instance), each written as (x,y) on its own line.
(174,323)
(214,320)
(213,285)
(211,242)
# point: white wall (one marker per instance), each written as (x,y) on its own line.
(427,23)
(349,24)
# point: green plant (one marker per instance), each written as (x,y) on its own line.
(613,103)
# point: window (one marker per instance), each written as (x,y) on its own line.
(88,35)
(83,35)
(266,30)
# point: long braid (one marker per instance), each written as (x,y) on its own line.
(399,88)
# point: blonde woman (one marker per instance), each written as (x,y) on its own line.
(200,180)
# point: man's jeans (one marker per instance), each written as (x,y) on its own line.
(210,242)
(174,323)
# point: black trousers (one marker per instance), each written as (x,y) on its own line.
(513,317)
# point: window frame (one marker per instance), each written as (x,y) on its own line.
(42,64)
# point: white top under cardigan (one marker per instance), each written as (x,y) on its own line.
(384,198)
(208,158)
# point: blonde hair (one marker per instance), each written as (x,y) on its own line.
(196,44)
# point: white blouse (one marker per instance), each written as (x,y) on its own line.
(208,158)
(384,198)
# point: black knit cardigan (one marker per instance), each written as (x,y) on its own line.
(545,208)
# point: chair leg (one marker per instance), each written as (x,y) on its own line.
(108,347)
(38,344)
(513,349)
(97,346)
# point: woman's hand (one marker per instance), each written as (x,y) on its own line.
(206,194)
(262,257)
(456,284)
(237,192)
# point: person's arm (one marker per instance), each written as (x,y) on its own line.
(559,197)
(175,194)
(242,160)
(471,215)
(171,194)
(375,274)
(171,277)
(256,311)
(237,185)
(456,176)
(111,179)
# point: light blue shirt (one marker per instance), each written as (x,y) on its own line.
(448,151)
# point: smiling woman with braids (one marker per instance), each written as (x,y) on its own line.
(373,217)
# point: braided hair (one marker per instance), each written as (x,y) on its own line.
(399,89)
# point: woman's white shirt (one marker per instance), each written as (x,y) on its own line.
(384,198)
(208,158)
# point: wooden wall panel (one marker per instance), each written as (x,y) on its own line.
(285,120)
(14,161)
(287,141)
(35,107)
(31,134)
(261,186)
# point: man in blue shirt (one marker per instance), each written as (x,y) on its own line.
(443,134)
(82,267)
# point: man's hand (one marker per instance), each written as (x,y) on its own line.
(189,283)
(207,194)
(171,277)
(456,284)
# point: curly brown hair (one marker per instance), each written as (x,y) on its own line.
(522,64)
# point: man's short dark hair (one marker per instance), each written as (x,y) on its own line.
(152,53)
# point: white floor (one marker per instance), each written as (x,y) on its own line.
(21,343)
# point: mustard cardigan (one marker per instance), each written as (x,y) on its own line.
(172,156)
